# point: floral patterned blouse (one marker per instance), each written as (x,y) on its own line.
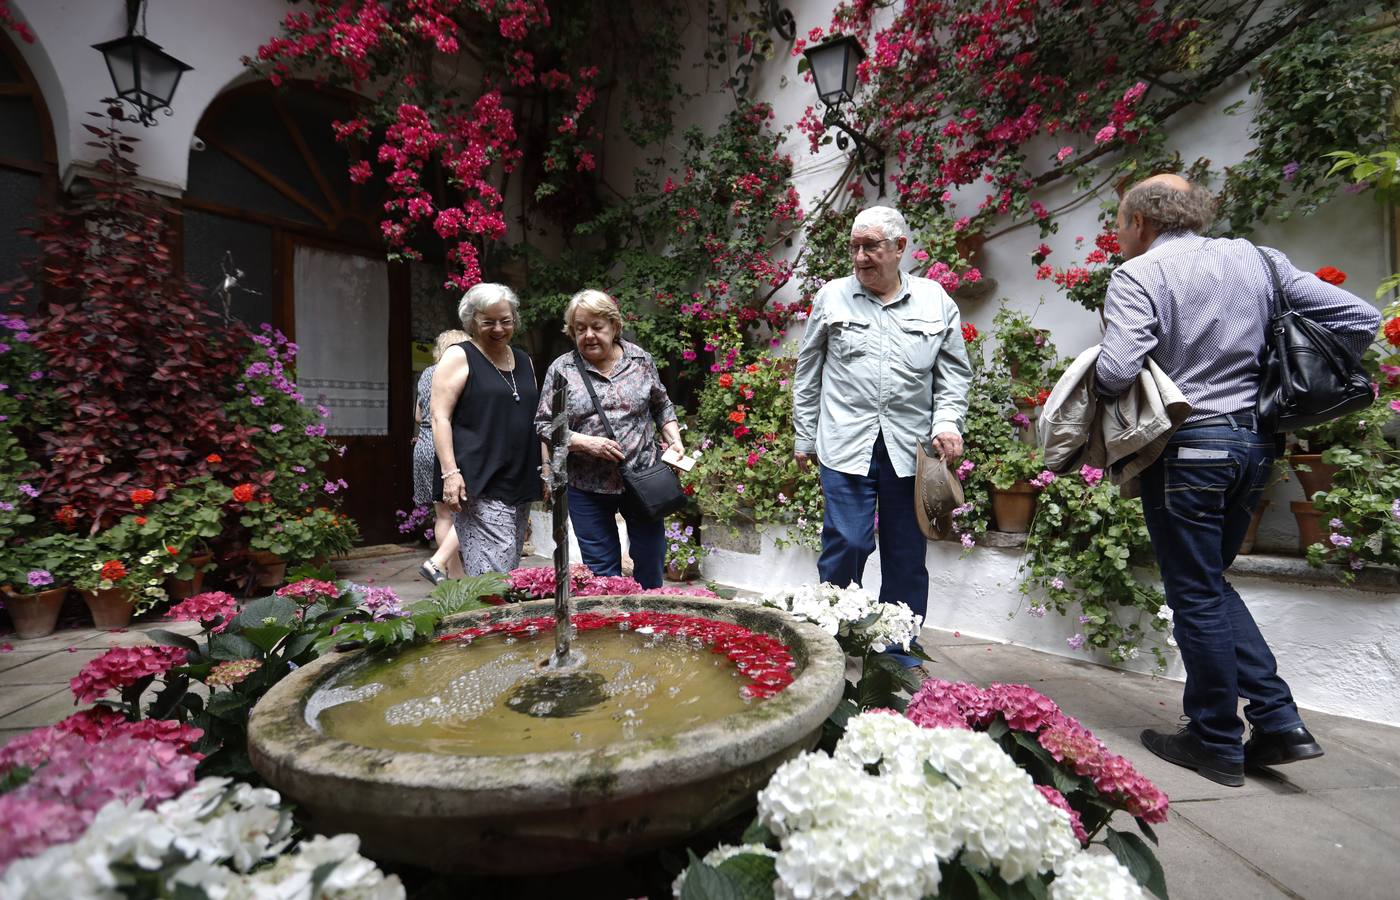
(636,404)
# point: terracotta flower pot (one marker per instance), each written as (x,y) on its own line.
(35,615)
(110,608)
(269,569)
(1013,508)
(1247,545)
(1318,478)
(1310,528)
(180,590)
(688,572)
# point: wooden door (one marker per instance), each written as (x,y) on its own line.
(348,318)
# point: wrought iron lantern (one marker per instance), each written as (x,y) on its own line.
(833,64)
(144,75)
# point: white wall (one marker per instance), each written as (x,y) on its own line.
(212,36)
(1338,649)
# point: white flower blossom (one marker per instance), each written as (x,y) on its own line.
(1093,876)
(843,613)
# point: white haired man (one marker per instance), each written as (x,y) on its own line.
(882,367)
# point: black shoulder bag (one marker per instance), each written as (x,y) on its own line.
(1308,377)
(653,490)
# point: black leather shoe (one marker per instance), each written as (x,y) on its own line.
(1279,747)
(1184,749)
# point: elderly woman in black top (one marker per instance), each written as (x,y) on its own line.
(483,398)
(630,391)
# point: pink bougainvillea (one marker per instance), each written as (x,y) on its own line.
(122,667)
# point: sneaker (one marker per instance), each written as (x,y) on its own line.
(1185,749)
(431,572)
(1278,747)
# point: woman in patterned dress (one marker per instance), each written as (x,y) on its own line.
(483,398)
(445,563)
(630,392)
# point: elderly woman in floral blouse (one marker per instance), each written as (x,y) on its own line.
(630,391)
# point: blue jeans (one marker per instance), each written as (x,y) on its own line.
(848,531)
(594,517)
(1198,498)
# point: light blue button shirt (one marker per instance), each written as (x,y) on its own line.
(867,368)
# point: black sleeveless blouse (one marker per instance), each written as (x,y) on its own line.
(493,434)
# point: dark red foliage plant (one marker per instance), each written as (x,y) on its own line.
(139,366)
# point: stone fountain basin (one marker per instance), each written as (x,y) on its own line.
(547,812)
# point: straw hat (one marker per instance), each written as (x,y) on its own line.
(937,492)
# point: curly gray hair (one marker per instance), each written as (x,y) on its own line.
(1168,208)
(480,297)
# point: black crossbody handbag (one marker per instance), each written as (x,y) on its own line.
(653,490)
(1308,376)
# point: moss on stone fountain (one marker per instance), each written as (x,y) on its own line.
(536,812)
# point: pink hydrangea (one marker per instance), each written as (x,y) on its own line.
(1024,708)
(309,590)
(122,667)
(205,608)
(99,723)
(73,779)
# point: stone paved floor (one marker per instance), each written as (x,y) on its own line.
(1320,830)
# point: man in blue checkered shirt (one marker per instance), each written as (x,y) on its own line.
(1198,307)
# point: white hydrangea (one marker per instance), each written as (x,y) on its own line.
(1093,876)
(840,611)
(894,800)
(721,854)
(206,837)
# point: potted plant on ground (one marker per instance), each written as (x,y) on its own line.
(37,575)
(683,552)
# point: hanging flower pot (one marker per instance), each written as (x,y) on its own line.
(110,607)
(35,615)
(1319,475)
(269,569)
(1014,508)
(180,588)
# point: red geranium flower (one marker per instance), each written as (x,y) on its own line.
(142,496)
(741,431)
(140,520)
(1392,331)
(969,332)
(113,570)
(67,516)
(751,367)
(243,493)
(213,459)
(737,416)
(172,549)
(726,380)
(1331,275)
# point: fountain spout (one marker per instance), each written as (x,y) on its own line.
(559,481)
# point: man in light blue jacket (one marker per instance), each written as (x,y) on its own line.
(882,367)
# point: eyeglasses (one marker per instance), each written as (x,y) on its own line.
(868,247)
(495,323)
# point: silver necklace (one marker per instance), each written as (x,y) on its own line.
(508,378)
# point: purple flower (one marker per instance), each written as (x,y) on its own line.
(4,386)
(1084,620)
(315,431)
(1091,475)
(688,355)
(40,578)
(1290,170)
(1021,420)
(256,400)
(303,488)
(275,427)
(28,491)
(1075,642)
(1036,612)
(1356,564)
(738,488)
(323,410)
(1057,583)
(36,376)
(299,469)
(257,370)
(1340,540)
(967,540)
(4,348)
(965,469)
(6,506)
(1043,479)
